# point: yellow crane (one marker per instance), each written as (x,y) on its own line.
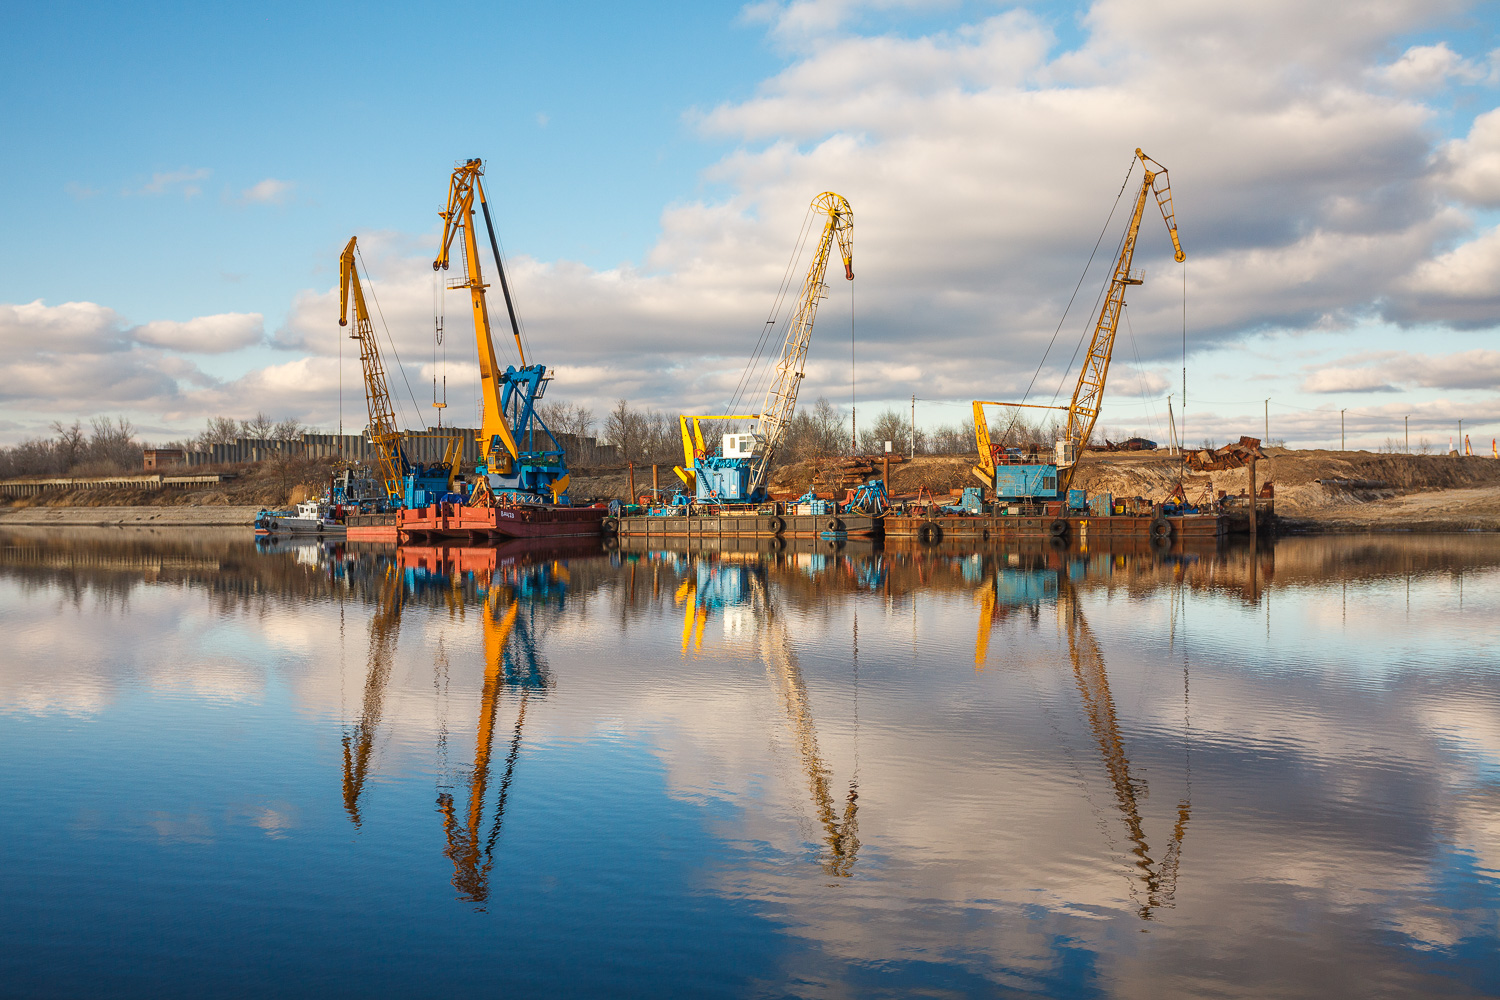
(390,464)
(507,437)
(1083,408)
(738,473)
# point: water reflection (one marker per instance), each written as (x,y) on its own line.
(872,771)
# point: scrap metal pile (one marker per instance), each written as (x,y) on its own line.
(1231,456)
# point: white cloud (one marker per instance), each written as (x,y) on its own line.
(798,22)
(72,327)
(1384,371)
(204,334)
(1472,164)
(183,181)
(1461,286)
(1429,67)
(79,358)
(267,192)
(1346,380)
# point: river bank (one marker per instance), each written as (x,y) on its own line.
(175,516)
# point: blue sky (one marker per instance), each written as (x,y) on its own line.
(185,176)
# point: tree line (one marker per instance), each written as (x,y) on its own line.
(646,436)
(627,433)
(108,446)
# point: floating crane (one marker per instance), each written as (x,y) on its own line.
(400,477)
(737,473)
(511,463)
(1008,472)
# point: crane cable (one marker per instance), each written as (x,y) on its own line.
(1104,229)
(497,250)
(399,366)
(1104,288)
(771,325)
(773,319)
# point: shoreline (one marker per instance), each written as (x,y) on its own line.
(175,516)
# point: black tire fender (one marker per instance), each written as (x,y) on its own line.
(777,525)
(929,533)
(1058,527)
(1161,528)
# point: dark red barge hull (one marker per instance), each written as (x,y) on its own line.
(476,523)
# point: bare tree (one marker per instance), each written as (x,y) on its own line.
(566,418)
(258,427)
(71,443)
(951,439)
(220,430)
(889,426)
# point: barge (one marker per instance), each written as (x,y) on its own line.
(744,544)
(453,520)
(984,526)
(748,526)
(371,528)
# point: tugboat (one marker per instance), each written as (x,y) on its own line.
(312,517)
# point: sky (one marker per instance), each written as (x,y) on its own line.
(178,181)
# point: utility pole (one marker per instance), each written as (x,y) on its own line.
(1460,436)
(1407,420)
(1341,430)
(1268,421)
(1172,445)
(913,429)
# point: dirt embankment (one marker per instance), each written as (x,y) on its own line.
(268,484)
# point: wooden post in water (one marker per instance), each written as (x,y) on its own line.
(630,480)
(655,490)
(1251,470)
(886,482)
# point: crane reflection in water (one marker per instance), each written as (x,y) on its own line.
(717,585)
(509,592)
(1009,591)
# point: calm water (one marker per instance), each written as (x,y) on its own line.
(336,770)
